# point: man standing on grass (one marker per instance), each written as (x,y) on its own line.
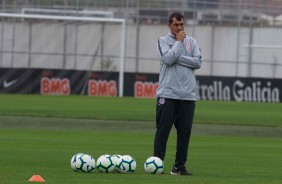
(176,95)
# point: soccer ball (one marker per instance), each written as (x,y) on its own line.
(84,163)
(154,165)
(126,164)
(115,160)
(105,164)
(74,159)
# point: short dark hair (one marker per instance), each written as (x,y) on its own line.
(177,15)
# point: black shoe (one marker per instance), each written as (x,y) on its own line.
(180,171)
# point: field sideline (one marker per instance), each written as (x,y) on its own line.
(231,142)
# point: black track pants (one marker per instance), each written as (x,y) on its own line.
(181,114)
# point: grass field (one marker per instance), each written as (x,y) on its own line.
(231,142)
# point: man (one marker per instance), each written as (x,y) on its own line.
(176,94)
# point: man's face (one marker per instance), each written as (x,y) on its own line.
(176,26)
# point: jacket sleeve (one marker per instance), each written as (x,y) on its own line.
(194,61)
(169,54)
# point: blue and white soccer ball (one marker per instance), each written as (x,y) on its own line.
(154,165)
(83,162)
(126,164)
(74,159)
(115,161)
(105,164)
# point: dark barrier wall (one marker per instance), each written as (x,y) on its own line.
(58,82)
(141,85)
(213,88)
(239,89)
(16,80)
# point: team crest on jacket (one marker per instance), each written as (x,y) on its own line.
(188,47)
(161,101)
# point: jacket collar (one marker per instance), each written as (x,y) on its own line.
(171,35)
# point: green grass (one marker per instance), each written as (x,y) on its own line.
(40,134)
(132,109)
(29,145)
(77,107)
